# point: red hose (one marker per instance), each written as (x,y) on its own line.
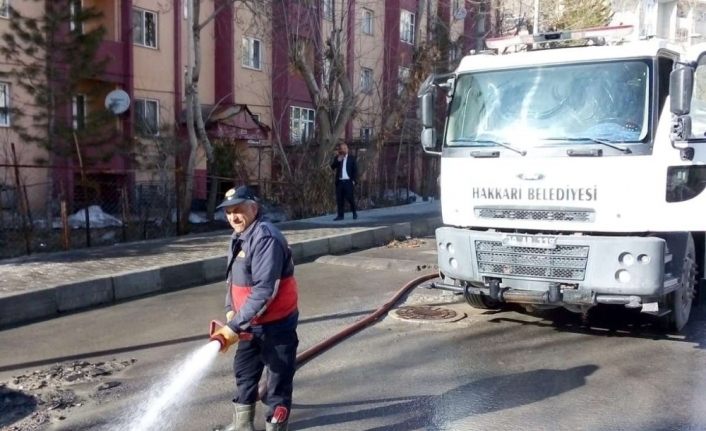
(326,344)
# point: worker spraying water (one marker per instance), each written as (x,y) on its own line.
(262,316)
(158,408)
(261,313)
(261,319)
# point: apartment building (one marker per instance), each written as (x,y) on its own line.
(682,22)
(252,97)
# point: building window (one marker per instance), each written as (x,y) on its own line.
(367,24)
(4,8)
(147,117)
(301,125)
(366,135)
(407,27)
(252,53)
(4,104)
(256,117)
(454,52)
(366,80)
(75,19)
(144,30)
(327,6)
(403,74)
(78,111)
(681,35)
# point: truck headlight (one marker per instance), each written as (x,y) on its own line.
(626,259)
(685,182)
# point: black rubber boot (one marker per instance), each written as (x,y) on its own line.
(243,418)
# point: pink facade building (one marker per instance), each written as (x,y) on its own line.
(252,96)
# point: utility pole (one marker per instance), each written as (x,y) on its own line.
(191,132)
(535,24)
(480,26)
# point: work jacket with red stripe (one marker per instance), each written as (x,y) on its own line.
(260,276)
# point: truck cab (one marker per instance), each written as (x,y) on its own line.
(572,173)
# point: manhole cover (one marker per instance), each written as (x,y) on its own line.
(425,312)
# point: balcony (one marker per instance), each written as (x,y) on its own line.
(114,54)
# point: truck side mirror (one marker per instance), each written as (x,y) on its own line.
(426,107)
(426,102)
(681,84)
(428,139)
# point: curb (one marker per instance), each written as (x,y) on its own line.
(52,301)
(375,263)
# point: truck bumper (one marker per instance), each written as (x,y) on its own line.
(583,269)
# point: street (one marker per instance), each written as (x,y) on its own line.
(490,370)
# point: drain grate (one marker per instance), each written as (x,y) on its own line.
(425,312)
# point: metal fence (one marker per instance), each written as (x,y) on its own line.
(45,209)
(40,214)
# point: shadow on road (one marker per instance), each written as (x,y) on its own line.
(201,337)
(480,396)
(15,405)
(334,316)
(617,321)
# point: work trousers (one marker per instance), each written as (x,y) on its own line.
(274,346)
(344,192)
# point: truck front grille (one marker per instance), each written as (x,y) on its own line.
(548,214)
(565,262)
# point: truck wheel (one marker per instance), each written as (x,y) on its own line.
(481,301)
(681,300)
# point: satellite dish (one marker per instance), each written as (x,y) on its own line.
(117,101)
(460,13)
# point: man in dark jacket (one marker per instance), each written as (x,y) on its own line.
(261,310)
(346,178)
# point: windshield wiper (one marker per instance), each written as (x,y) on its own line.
(492,142)
(625,150)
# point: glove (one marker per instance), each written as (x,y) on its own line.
(230,315)
(225,336)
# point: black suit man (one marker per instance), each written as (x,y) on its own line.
(346,177)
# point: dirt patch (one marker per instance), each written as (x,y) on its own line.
(31,401)
(407,243)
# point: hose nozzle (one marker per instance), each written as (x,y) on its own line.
(217,332)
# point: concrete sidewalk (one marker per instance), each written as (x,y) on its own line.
(47,285)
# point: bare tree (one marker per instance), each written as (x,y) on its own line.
(333,96)
(554,15)
(320,56)
(575,14)
(399,122)
(195,122)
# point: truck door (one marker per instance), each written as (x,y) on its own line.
(690,177)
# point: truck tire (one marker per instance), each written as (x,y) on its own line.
(481,301)
(681,300)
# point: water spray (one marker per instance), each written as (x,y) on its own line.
(154,412)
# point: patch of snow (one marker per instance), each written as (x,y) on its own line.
(96,217)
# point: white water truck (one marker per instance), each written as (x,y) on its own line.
(572,173)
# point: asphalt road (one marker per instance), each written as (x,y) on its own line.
(505,370)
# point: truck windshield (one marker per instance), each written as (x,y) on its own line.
(551,105)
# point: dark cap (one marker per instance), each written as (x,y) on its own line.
(237,196)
